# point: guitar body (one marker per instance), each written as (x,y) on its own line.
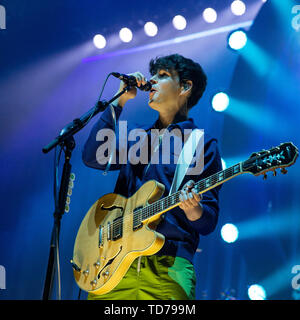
(107,243)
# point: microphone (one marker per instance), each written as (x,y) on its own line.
(131,80)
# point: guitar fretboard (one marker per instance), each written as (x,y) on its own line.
(173,200)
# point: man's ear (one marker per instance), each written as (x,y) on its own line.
(187,86)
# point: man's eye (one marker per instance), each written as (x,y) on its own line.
(163,74)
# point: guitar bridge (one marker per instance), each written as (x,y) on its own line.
(100,244)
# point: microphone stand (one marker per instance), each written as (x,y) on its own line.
(66,140)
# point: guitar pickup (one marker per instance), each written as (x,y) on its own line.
(117,228)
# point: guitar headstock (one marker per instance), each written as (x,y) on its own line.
(281,157)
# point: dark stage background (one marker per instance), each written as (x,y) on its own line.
(51,73)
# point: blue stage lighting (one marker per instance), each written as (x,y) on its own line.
(257,292)
(237,39)
(220,101)
(125,35)
(179,22)
(99,41)
(238,7)
(150,29)
(229,233)
(210,15)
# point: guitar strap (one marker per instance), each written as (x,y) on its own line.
(185,158)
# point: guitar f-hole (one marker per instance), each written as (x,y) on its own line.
(109,262)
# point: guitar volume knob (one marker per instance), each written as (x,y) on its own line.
(105,274)
(86,272)
(94,282)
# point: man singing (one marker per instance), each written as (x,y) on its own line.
(177,85)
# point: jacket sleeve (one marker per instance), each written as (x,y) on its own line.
(93,154)
(210,202)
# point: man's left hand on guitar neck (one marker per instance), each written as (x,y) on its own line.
(190,201)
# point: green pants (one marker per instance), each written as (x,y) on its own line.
(154,278)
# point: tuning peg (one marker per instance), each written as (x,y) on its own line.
(263,151)
(254,154)
(265,176)
(283,171)
(274,173)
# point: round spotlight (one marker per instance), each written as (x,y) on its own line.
(237,40)
(220,101)
(257,292)
(238,7)
(150,29)
(99,41)
(179,22)
(229,233)
(125,35)
(210,15)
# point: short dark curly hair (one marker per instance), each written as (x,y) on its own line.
(187,69)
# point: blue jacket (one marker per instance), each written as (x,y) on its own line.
(181,235)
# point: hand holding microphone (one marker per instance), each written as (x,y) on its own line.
(135,80)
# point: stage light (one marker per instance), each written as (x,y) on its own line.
(238,7)
(229,233)
(256,292)
(125,35)
(210,15)
(179,22)
(150,29)
(237,39)
(99,41)
(220,101)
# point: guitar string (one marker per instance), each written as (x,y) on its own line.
(156,207)
(151,210)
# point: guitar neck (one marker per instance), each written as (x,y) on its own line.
(171,201)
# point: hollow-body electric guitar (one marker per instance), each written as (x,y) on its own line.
(116,230)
